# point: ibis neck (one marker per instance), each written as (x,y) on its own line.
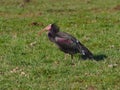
(51,36)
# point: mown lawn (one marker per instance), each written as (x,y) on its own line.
(32,62)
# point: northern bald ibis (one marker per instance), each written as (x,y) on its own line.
(66,42)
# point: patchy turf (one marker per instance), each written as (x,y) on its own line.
(29,61)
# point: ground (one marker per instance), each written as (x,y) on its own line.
(32,62)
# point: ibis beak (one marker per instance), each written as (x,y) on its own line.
(39,33)
(45,29)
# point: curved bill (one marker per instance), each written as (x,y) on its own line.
(39,33)
(47,28)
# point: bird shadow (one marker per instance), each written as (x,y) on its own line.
(98,57)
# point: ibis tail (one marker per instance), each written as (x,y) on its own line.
(86,53)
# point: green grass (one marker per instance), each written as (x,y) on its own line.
(23,66)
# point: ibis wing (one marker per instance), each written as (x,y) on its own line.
(64,41)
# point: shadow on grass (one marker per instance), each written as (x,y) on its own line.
(98,57)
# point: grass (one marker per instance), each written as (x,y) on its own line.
(30,62)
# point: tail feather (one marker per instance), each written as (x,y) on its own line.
(84,51)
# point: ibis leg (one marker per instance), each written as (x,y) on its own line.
(71,56)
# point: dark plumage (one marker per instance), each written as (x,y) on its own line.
(66,42)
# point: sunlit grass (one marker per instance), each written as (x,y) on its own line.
(29,61)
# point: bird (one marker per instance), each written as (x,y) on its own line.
(66,42)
